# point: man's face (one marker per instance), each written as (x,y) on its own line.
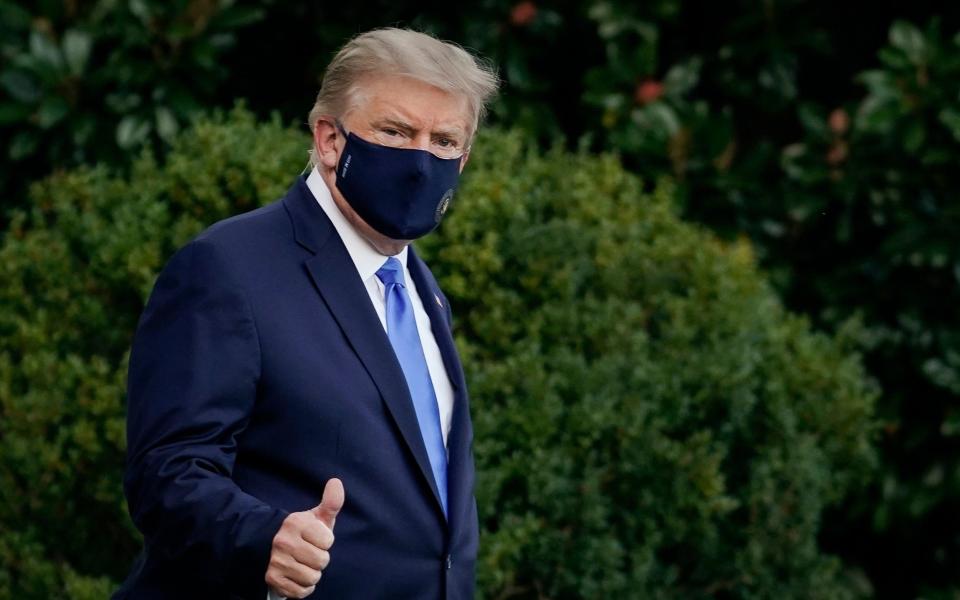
(398,112)
(405,113)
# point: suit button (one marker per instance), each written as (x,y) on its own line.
(448,561)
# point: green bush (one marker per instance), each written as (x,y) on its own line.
(868,225)
(848,194)
(649,421)
(95,80)
(75,274)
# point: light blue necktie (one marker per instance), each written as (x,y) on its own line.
(402,331)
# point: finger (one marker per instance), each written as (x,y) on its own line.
(300,574)
(318,534)
(291,589)
(332,502)
(311,556)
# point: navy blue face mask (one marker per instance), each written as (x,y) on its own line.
(401,192)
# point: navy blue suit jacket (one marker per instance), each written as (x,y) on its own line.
(259,370)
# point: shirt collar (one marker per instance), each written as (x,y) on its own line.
(365,257)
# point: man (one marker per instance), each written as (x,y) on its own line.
(293,374)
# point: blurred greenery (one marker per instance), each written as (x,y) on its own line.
(657,418)
(823,132)
(90,81)
(75,273)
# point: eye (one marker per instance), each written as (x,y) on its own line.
(446,142)
(389,131)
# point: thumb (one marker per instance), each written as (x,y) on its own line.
(332,502)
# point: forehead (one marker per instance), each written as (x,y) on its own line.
(414,102)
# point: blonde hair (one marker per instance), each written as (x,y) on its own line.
(404,52)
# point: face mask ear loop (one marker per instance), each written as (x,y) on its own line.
(339,125)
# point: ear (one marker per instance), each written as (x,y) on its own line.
(325,136)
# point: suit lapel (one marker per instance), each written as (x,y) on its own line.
(335,277)
(459,484)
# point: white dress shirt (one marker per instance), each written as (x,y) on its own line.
(368,261)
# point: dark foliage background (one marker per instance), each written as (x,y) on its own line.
(656,426)
(824,132)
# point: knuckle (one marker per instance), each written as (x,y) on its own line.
(325,538)
(294,522)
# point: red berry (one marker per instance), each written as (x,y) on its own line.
(837,153)
(839,121)
(647,91)
(523,13)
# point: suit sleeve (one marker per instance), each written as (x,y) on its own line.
(191,388)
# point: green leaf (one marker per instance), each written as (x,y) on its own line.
(876,114)
(14,16)
(122,102)
(914,136)
(132,131)
(663,116)
(167,126)
(141,10)
(52,110)
(682,78)
(812,119)
(894,59)
(222,41)
(951,118)
(237,16)
(83,127)
(20,86)
(908,38)
(877,81)
(76,49)
(517,71)
(23,144)
(47,52)
(11,112)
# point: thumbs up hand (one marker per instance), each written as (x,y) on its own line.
(330,504)
(301,548)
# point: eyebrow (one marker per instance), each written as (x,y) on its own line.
(453,132)
(396,124)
